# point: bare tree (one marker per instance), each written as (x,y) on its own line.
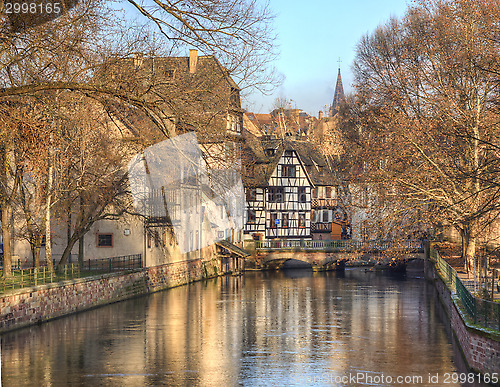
(240,33)
(73,54)
(424,120)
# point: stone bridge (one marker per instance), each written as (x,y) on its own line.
(333,255)
(319,261)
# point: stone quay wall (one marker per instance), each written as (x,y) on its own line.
(34,305)
(480,347)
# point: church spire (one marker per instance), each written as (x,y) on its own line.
(338,96)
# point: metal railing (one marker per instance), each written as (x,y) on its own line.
(483,312)
(124,262)
(22,278)
(338,245)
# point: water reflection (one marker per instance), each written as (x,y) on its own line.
(283,328)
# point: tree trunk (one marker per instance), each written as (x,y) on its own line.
(80,250)
(35,240)
(6,238)
(470,253)
(464,249)
(48,238)
(35,250)
(64,259)
(68,229)
(48,231)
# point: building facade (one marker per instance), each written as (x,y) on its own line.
(196,95)
(291,192)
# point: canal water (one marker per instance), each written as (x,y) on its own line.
(291,328)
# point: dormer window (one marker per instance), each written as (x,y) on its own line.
(270,151)
(235,96)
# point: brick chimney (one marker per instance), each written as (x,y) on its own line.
(193,60)
(320,114)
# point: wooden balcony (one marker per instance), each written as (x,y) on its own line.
(324,203)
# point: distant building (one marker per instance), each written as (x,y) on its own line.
(281,123)
(325,130)
(338,97)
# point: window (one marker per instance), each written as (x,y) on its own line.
(104,240)
(315,193)
(364,230)
(364,197)
(288,153)
(169,74)
(285,220)
(302,220)
(250,194)
(328,193)
(276,195)
(251,216)
(302,197)
(274,220)
(288,170)
(235,97)
(325,216)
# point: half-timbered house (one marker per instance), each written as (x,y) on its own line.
(286,184)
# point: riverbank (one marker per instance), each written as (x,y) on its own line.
(479,346)
(37,304)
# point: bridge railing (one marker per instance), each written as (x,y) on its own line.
(483,312)
(337,245)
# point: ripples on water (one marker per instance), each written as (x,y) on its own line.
(261,329)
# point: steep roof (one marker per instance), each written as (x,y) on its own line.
(282,122)
(260,165)
(194,93)
(338,97)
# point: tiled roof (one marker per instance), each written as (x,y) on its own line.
(259,166)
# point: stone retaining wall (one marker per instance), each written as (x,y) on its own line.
(41,303)
(480,347)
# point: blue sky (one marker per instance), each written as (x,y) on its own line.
(313,34)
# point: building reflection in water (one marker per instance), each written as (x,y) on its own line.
(284,328)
